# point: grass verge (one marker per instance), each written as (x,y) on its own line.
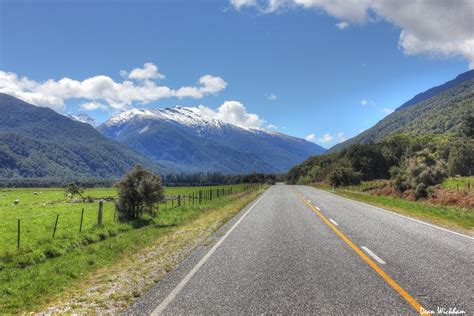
(455,218)
(108,275)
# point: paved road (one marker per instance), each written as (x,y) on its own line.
(302,250)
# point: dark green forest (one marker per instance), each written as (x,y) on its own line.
(411,161)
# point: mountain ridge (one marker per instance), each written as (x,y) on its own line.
(211,144)
(37,142)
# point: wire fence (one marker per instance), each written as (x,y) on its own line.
(25,233)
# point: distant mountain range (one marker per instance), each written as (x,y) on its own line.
(37,142)
(438,110)
(83,118)
(182,138)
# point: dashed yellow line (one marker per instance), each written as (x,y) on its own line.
(369,261)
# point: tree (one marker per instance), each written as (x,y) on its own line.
(344,176)
(138,191)
(461,158)
(73,189)
(467,126)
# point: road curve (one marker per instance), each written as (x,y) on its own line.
(303,250)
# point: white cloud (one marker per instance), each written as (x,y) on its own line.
(342,25)
(238,4)
(387,111)
(310,138)
(271,126)
(367,102)
(434,27)
(149,71)
(326,138)
(91,106)
(341,137)
(271,96)
(104,90)
(232,112)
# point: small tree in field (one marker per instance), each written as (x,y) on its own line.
(138,191)
(73,189)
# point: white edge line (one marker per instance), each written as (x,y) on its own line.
(334,222)
(159,310)
(373,255)
(400,215)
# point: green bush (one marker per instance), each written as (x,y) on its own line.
(420,173)
(344,176)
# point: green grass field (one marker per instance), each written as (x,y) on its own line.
(460,183)
(38,210)
(43,268)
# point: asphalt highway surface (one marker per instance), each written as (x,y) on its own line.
(299,250)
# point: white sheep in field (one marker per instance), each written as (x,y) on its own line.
(16,201)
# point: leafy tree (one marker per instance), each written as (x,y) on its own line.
(344,176)
(138,191)
(467,126)
(73,189)
(461,159)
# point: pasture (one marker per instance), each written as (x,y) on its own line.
(45,223)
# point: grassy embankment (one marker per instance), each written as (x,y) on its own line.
(452,217)
(43,268)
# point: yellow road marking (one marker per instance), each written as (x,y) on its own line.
(369,261)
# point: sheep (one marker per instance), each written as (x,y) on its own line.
(35,193)
(16,201)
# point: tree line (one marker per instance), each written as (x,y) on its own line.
(412,162)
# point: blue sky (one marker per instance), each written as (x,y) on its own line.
(292,65)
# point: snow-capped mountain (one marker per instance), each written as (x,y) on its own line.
(187,140)
(83,118)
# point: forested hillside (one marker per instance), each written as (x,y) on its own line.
(439,110)
(37,142)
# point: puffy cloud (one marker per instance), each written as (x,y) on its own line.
(232,112)
(271,126)
(435,27)
(104,90)
(387,111)
(91,106)
(211,84)
(149,71)
(310,138)
(342,25)
(242,3)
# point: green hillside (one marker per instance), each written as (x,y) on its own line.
(37,143)
(439,110)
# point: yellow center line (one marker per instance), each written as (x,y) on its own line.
(369,261)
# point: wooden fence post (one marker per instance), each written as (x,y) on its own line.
(19,234)
(99,214)
(82,218)
(55,225)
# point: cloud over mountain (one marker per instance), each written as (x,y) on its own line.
(139,86)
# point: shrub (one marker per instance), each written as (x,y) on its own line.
(419,173)
(344,176)
(138,191)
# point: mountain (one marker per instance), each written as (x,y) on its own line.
(184,139)
(37,142)
(438,110)
(83,118)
